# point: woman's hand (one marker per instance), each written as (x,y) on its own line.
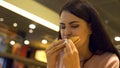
(71,55)
(53,51)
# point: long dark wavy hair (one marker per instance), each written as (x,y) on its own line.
(99,40)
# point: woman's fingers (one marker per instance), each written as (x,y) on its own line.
(56,48)
(73,45)
(70,47)
(53,51)
(55,43)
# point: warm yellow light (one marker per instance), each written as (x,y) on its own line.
(40,56)
(1,19)
(44,41)
(30,31)
(29,15)
(15,24)
(32,26)
(26,42)
(12,42)
(117,38)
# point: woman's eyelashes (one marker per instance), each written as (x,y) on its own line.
(62,26)
(74,25)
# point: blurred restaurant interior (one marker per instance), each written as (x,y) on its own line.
(27,27)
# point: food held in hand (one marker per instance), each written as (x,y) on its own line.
(75,39)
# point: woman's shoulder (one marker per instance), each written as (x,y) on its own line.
(110,60)
(105,60)
(107,56)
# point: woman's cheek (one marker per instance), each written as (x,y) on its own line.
(79,44)
(62,34)
(81,41)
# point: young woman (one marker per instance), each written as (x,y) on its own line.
(93,49)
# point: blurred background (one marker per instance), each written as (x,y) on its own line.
(27,27)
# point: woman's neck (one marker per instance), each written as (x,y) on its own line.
(84,55)
(84,52)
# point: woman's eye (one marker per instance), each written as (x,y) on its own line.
(74,26)
(62,26)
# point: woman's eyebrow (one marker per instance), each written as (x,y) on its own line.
(70,22)
(73,22)
(61,23)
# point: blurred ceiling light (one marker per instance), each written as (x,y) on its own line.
(1,19)
(15,24)
(117,38)
(12,42)
(30,31)
(29,15)
(26,42)
(40,55)
(44,41)
(32,26)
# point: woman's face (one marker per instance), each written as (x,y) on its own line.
(71,25)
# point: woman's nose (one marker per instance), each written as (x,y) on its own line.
(68,32)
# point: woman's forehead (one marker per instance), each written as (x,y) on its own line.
(67,16)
